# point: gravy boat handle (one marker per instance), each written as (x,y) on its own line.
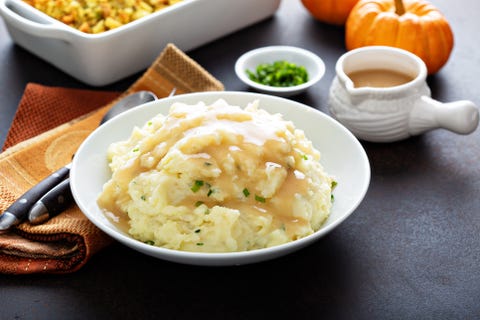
(459,116)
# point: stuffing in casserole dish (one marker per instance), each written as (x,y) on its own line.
(95,16)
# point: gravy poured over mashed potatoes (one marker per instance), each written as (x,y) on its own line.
(217,178)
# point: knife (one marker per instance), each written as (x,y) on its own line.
(18,211)
(55,201)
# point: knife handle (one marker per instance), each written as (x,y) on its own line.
(18,211)
(55,201)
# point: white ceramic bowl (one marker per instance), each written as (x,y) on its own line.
(101,59)
(342,156)
(301,57)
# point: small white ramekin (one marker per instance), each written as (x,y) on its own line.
(301,57)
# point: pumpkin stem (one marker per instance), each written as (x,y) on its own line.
(399,7)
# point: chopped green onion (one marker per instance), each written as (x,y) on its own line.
(334,184)
(150,242)
(279,74)
(260,199)
(197,231)
(136,150)
(143,197)
(246,193)
(197,185)
(199,243)
(198,203)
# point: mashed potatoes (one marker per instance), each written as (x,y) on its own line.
(217,178)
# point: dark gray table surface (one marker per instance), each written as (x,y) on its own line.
(410,251)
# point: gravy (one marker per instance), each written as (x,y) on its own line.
(378,78)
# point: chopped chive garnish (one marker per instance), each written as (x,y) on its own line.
(197,231)
(150,242)
(280,73)
(207,163)
(334,184)
(198,203)
(197,185)
(136,150)
(305,157)
(149,123)
(199,243)
(143,197)
(259,199)
(246,193)
(210,192)
(332,198)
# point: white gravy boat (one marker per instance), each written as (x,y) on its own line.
(398,112)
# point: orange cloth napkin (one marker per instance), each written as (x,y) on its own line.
(49,126)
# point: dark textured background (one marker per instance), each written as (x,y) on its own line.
(410,251)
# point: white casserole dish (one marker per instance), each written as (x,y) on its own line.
(100,59)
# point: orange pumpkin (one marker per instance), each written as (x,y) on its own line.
(330,11)
(413,25)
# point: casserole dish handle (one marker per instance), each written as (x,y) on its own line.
(25,18)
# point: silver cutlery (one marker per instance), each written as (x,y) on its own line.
(52,195)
